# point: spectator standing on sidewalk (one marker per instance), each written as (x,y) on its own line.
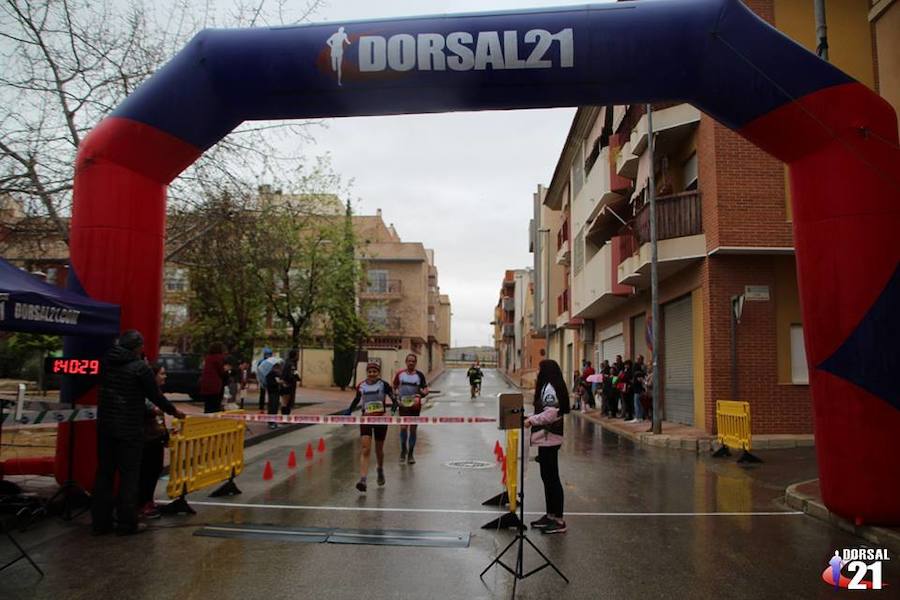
(589,386)
(273,389)
(637,378)
(243,380)
(156,438)
(212,379)
(647,396)
(576,389)
(289,380)
(551,403)
(606,387)
(625,390)
(126,383)
(262,369)
(232,380)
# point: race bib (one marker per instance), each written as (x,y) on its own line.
(374,407)
(408,401)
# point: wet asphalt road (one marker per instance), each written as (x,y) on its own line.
(643,523)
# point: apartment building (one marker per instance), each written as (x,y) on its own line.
(33,243)
(724,229)
(519,347)
(400,297)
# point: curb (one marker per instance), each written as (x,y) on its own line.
(695,445)
(881,536)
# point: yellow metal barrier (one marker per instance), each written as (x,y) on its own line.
(733,423)
(205,451)
(734,429)
(512,467)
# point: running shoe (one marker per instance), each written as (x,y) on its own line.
(150,511)
(411,460)
(361,485)
(402,454)
(380,476)
(542,523)
(555,527)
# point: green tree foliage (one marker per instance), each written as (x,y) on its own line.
(297,246)
(225,298)
(347,328)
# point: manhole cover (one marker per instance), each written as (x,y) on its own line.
(469,464)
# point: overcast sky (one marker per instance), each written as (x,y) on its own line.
(461,183)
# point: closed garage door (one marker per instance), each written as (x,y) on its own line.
(679,367)
(639,335)
(611,347)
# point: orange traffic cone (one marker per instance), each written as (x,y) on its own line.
(267,472)
(292,460)
(321,444)
(498,451)
(309,451)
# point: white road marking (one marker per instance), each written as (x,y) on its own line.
(486,512)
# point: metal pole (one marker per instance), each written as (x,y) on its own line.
(547,294)
(821,30)
(734,381)
(654,277)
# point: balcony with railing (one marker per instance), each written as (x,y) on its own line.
(509,304)
(386,326)
(391,289)
(562,244)
(509,331)
(595,289)
(679,228)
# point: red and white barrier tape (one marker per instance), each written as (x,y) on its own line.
(349,420)
(50,418)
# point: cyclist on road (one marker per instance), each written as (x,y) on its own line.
(475,376)
(411,388)
(372,393)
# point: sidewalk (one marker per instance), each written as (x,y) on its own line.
(674,435)
(681,437)
(807,497)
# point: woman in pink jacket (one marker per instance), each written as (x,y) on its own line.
(551,402)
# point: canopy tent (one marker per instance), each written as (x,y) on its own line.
(34,306)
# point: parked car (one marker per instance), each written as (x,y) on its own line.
(182,374)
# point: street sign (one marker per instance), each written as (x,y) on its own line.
(756,293)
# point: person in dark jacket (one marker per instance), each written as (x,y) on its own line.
(127,382)
(273,389)
(212,379)
(156,437)
(289,379)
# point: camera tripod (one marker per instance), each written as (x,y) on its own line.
(521,537)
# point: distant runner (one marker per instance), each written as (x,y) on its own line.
(411,388)
(372,393)
(475,376)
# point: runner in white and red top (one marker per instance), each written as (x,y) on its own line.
(373,394)
(411,387)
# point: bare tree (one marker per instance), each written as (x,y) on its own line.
(68,63)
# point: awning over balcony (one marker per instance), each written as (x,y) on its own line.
(603,221)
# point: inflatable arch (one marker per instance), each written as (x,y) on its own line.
(838,138)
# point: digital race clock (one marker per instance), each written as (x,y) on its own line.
(55,365)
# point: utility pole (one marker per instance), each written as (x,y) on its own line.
(654,277)
(821,30)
